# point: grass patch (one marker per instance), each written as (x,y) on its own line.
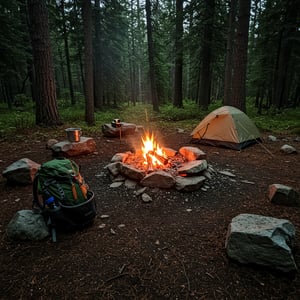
(19,121)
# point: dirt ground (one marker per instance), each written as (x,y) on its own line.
(171,248)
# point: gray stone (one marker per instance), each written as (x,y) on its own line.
(192,168)
(26,225)
(140,191)
(287,149)
(116,184)
(192,153)
(159,179)
(21,171)
(119,178)
(130,184)
(50,143)
(86,145)
(131,172)
(146,198)
(114,168)
(189,184)
(261,240)
(284,195)
(272,138)
(120,157)
(226,173)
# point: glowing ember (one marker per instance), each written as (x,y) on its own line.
(154,156)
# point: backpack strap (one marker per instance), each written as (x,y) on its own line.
(36,204)
(53,182)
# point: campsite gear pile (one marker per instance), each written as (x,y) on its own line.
(227,127)
(62,196)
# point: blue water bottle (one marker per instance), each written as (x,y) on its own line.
(51,202)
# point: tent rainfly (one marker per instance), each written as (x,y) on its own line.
(228,127)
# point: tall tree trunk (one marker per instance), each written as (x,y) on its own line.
(88,63)
(240,57)
(98,58)
(206,55)
(132,58)
(178,55)
(283,70)
(229,52)
(140,56)
(67,52)
(44,85)
(151,58)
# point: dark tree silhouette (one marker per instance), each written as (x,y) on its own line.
(88,55)
(240,57)
(206,55)
(44,89)
(229,52)
(151,58)
(178,55)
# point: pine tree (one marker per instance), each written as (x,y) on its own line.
(44,84)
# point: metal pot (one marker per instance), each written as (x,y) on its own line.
(73,134)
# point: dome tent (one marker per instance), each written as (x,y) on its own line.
(226,126)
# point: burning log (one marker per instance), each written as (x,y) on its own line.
(149,163)
(162,159)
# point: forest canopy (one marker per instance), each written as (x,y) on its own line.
(108,53)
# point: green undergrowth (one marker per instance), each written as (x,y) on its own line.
(20,121)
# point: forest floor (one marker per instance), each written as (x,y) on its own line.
(170,248)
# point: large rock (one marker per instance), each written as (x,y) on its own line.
(192,168)
(284,195)
(21,171)
(125,129)
(131,172)
(192,153)
(159,179)
(288,149)
(121,156)
(26,225)
(169,152)
(189,184)
(261,240)
(86,145)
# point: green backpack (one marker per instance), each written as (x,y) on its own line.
(62,197)
(60,180)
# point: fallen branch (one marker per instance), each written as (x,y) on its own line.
(116,277)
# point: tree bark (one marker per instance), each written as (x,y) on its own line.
(98,58)
(283,69)
(44,83)
(151,58)
(88,55)
(178,55)
(229,52)
(240,57)
(67,52)
(206,56)
(133,57)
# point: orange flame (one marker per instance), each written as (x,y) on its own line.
(151,148)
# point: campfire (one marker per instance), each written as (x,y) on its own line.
(153,154)
(153,165)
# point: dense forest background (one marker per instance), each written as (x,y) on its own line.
(107,53)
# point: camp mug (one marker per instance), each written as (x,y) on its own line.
(73,134)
